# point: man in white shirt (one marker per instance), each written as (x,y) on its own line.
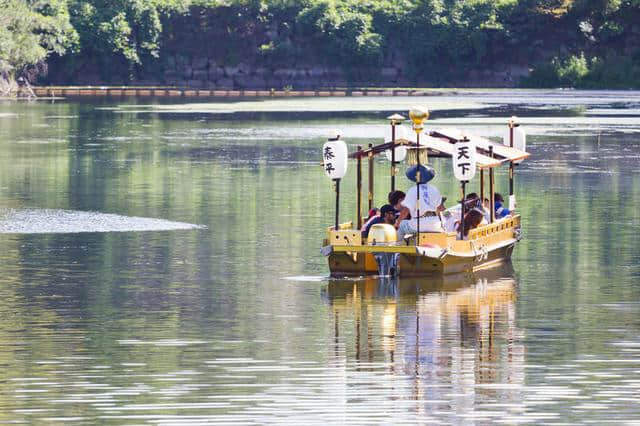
(429,203)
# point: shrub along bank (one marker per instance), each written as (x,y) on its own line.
(324,43)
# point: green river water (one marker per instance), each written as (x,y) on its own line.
(160,264)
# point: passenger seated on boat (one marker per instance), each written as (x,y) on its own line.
(395,199)
(429,203)
(451,217)
(486,206)
(472,220)
(501,210)
(387,215)
(474,202)
(373,213)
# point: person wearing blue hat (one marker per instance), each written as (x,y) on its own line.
(501,210)
(425,207)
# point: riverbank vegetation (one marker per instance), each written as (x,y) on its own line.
(535,43)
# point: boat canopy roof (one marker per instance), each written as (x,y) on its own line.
(441,143)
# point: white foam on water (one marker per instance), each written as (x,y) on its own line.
(309,278)
(49,221)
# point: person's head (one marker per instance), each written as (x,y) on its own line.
(485,204)
(471,220)
(471,196)
(471,200)
(396,197)
(388,213)
(373,212)
(498,198)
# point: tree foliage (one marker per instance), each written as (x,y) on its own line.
(566,42)
(32,30)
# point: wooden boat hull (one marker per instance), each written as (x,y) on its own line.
(343,264)
(438,253)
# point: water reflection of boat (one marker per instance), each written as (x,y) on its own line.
(444,328)
(418,253)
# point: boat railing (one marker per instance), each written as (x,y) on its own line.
(505,224)
(346,235)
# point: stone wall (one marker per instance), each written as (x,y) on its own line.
(206,73)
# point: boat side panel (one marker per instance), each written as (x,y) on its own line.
(495,257)
(341,264)
(416,266)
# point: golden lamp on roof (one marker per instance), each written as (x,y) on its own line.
(418,116)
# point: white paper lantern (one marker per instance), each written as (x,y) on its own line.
(335,157)
(464,160)
(402,132)
(401,153)
(519,139)
(410,134)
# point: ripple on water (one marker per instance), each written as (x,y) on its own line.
(40,141)
(43,221)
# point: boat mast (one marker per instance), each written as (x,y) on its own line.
(418,116)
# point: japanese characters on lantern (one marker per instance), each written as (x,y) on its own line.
(464,160)
(334,157)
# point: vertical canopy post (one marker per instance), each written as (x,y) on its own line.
(462,210)
(337,181)
(393,157)
(394,120)
(492,200)
(370,176)
(511,165)
(359,189)
(517,139)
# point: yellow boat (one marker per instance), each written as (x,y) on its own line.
(382,253)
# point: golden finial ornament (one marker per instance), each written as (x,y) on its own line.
(418,116)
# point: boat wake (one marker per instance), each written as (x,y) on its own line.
(47,221)
(308,278)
